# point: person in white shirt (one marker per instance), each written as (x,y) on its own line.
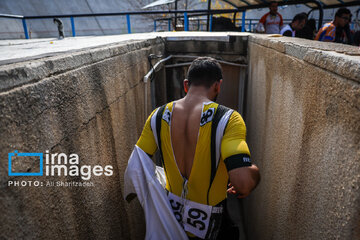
(271,22)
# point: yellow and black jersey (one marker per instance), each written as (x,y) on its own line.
(221,147)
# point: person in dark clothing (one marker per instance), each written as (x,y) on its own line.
(357,38)
(308,31)
(60,26)
(297,23)
(344,34)
(223,24)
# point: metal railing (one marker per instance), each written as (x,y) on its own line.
(199,24)
(127,14)
(208,12)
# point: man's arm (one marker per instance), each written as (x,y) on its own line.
(281,22)
(326,34)
(261,25)
(147,141)
(243,175)
(243,180)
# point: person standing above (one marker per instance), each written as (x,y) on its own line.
(60,27)
(297,24)
(328,32)
(203,148)
(271,22)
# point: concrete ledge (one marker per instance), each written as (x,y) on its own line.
(21,50)
(344,65)
(341,59)
(28,61)
(15,75)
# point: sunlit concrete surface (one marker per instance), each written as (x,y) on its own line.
(303,118)
(20,50)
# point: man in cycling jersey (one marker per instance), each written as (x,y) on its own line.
(204,152)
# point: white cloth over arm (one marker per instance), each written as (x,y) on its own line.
(140,178)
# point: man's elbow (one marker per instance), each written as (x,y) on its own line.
(255,174)
(245,184)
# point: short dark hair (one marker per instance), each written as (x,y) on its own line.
(271,2)
(342,11)
(300,17)
(204,71)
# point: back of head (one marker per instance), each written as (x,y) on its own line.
(300,17)
(204,71)
(342,11)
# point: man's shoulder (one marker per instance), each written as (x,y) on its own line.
(168,105)
(287,31)
(327,32)
(207,105)
(285,28)
(329,25)
(224,107)
(263,18)
(233,114)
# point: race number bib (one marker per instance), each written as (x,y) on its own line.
(193,216)
(177,207)
(196,218)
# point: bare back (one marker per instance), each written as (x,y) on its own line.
(185,124)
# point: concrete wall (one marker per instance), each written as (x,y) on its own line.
(95,110)
(303,120)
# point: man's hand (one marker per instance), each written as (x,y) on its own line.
(232,190)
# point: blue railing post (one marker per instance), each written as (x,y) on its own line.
(128,23)
(154,25)
(72,26)
(186,22)
(25,28)
(211,20)
(243,22)
(169,24)
(250,25)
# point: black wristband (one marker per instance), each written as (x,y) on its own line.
(237,161)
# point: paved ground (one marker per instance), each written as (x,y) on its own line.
(23,50)
(20,50)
